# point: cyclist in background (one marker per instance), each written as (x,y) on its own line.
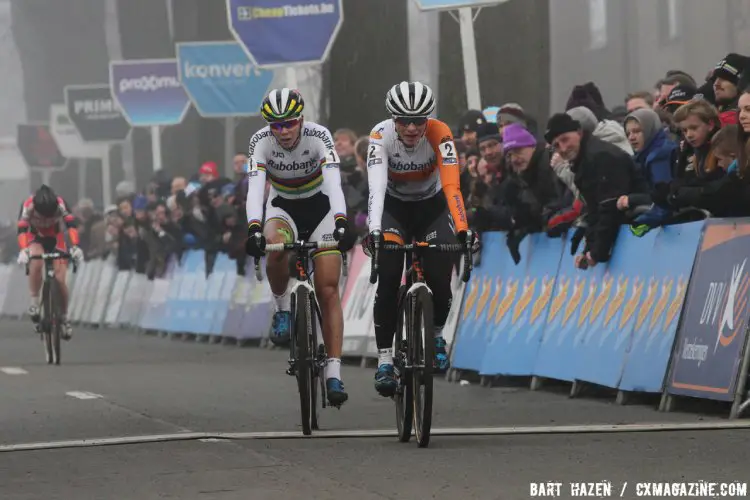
(40,230)
(305,202)
(413,176)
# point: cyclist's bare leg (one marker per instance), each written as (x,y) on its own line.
(277,263)
(35,273)
(326,279)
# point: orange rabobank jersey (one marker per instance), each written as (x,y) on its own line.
(413,174)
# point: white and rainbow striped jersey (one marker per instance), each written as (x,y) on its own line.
(310,167)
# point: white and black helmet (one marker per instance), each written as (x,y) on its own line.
(410,99)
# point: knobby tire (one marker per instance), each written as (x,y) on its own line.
(302,333)
(423,352)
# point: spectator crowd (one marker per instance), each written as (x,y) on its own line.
(671,154)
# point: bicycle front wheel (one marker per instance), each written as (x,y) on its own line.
(303,331)
(56,325)
(423,354)
(46,322)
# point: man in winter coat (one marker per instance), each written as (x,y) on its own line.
(603,173)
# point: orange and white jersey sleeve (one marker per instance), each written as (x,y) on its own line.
(441,139)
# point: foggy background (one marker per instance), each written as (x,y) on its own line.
(529,51)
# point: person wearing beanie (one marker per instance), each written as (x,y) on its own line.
(510,113)
(539,193)
(726,79)
(468,126)
(588,95)
(603,173)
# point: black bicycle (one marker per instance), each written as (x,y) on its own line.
(307,353)
(51,314)
(414,345)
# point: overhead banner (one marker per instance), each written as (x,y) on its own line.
(38,147)
(95,114)
(277,33)
(712,333)
(149,91)
(221,80)
(67,137)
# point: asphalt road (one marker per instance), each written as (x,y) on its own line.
(118,384)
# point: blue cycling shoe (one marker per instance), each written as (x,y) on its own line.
(385,381)
(281,328)
(442,363)
(335,391)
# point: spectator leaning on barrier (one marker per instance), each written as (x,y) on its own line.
(603,173)
(488,210)
(533,192)
(655,151)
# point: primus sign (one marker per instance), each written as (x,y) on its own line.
(149,91)
(221,80)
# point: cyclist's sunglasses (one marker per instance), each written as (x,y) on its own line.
(408,120)
(286,124)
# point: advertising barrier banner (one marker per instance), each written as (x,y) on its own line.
(656,321)
(474,331)
(714,323)
(509,350)
(603,348)
(221,80)
(149,91)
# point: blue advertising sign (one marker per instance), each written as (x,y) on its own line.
(568,319)
(670,264)
(221,80)
(149,91)
(713,329)
(455,4)
(479,313)
(277,33)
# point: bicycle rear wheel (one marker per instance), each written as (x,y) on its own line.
(302,333)
(422,342)
(46,321)
(404,397)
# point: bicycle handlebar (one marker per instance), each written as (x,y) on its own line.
(299,246)
(57,255)
(418,247)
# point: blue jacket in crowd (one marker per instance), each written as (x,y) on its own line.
(656,158)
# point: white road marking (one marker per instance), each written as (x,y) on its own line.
(83,395)
(383,433)
(13,370)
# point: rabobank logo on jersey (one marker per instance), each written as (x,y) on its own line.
(307,167)
(411,166)
(221,80)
